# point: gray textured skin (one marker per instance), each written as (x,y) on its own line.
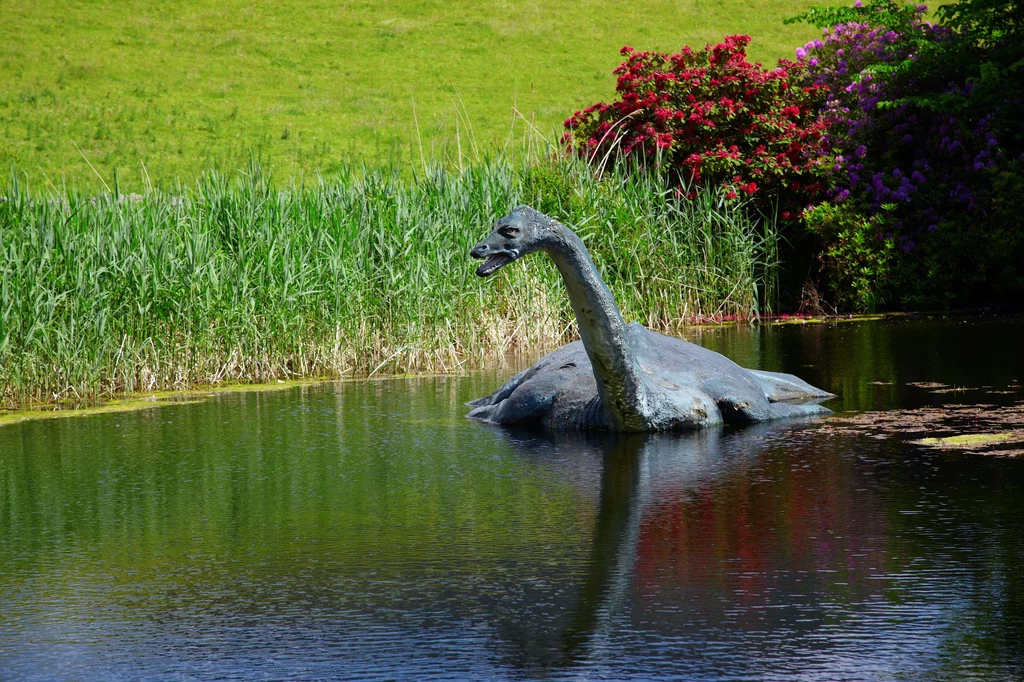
(621,377)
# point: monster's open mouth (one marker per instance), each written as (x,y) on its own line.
(492,264)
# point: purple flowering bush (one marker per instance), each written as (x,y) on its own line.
(912,215)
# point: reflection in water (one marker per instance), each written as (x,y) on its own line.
(368,531)
(608,565)
(615,530)
(869,366)
(677,515)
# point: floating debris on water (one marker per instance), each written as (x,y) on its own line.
(975,429)
(927,384)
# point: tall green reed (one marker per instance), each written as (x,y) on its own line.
(362,272)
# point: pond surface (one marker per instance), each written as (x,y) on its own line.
(369,531)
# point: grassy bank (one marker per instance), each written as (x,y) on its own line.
(163,89)
(362,272)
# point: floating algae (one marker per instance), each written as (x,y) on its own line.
(971,441)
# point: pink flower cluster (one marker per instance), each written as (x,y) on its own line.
(714,117)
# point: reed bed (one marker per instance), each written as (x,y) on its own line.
(361,273)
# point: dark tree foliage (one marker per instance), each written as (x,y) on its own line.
(987,51)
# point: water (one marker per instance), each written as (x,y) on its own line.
(369,531)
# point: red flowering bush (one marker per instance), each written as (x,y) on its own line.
(714,117)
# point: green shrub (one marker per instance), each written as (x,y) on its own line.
(856,255)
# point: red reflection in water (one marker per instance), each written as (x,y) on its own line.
(743,542)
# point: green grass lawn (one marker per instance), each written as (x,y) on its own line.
(174,88)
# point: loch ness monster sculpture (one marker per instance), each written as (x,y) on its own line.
(618,376)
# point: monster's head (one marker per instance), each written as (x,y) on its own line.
(522,231)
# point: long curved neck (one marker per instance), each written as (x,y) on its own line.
(602,330)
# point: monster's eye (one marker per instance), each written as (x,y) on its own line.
(509,232)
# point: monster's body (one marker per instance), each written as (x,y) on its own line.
(621,377)
(687,387)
